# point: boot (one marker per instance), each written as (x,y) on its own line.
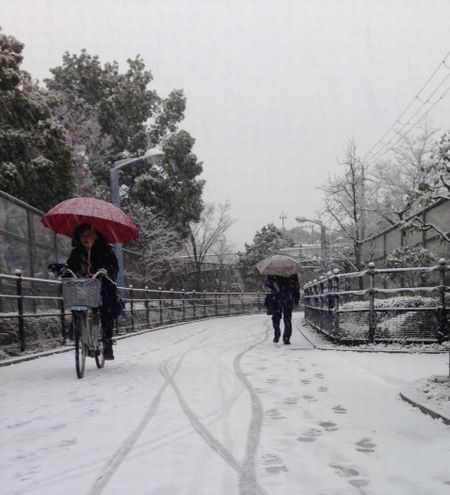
(108,353)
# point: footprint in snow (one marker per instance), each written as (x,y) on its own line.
(310,435)
(68,442)
(359,483)
(319,375)
(323,389)
(291,401)
(18,424)
(309,398)
(344,471)
(58,427)
(273,463)
(306,382)
(366,445)
(328,425)
(274,414)
(271,380)
(339,410)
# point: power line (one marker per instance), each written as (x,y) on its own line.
(416,98)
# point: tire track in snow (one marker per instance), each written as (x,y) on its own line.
(248,484)
(121,453)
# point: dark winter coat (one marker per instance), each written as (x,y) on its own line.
(285,290)
(102,256)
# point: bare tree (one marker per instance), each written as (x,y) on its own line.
(345,201)
(222,249)
(158,246)
(207,233)
(396,182)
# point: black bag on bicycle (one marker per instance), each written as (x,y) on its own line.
(117,306)
(111,300)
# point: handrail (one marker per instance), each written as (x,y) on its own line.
(329,299)
(144,307)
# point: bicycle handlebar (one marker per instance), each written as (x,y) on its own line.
(63,269)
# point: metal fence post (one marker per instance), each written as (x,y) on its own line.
(322,302)
(147,312)
(243,303)
(330,301)
(336,300)
(229,303)
(193,304)
(371,291)
(443,323)
(215,304)
(258,301)
(204,303)
(62,311)
(172,311)
(183,302)
(130,293)
(20,309)
(161,318)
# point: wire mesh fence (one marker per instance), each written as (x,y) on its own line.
(33,315)
(374,305)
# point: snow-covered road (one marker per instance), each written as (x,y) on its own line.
(214,408)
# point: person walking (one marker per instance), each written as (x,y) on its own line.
(92,253)
(285,293)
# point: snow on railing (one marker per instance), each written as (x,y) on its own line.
(25,298)
(330,310)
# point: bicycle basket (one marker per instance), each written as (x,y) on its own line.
(81,292)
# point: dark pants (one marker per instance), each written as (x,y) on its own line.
(283,310)
(106,309)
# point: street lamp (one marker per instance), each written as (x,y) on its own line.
(150,156)
(323,238)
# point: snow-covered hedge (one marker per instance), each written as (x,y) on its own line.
(395,324)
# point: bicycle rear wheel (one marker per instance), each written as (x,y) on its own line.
(96,339)
(79,330)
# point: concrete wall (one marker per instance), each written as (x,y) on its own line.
(380,245)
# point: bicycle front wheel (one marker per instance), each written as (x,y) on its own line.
(79,330)
(99,358)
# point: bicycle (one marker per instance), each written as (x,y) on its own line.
(83,297)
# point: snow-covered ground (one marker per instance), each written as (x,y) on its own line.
(214,408)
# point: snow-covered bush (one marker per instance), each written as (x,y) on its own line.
(393,324)
(409,257)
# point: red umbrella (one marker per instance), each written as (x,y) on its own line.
(110,220)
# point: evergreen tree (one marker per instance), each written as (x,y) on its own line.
(36,164)
(267,242)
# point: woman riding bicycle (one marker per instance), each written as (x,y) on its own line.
(90,254)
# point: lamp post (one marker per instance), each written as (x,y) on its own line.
(323,238)
(150,156)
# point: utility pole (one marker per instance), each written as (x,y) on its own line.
(283,217)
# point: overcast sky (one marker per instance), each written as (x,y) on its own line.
(274,88)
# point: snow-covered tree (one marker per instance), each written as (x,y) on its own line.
(437,181)
(158,246)
(108,115)
(407,257)
(36,163)
(395,182)
(266,242)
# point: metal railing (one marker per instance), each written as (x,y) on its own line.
(23,300)
(361,307)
